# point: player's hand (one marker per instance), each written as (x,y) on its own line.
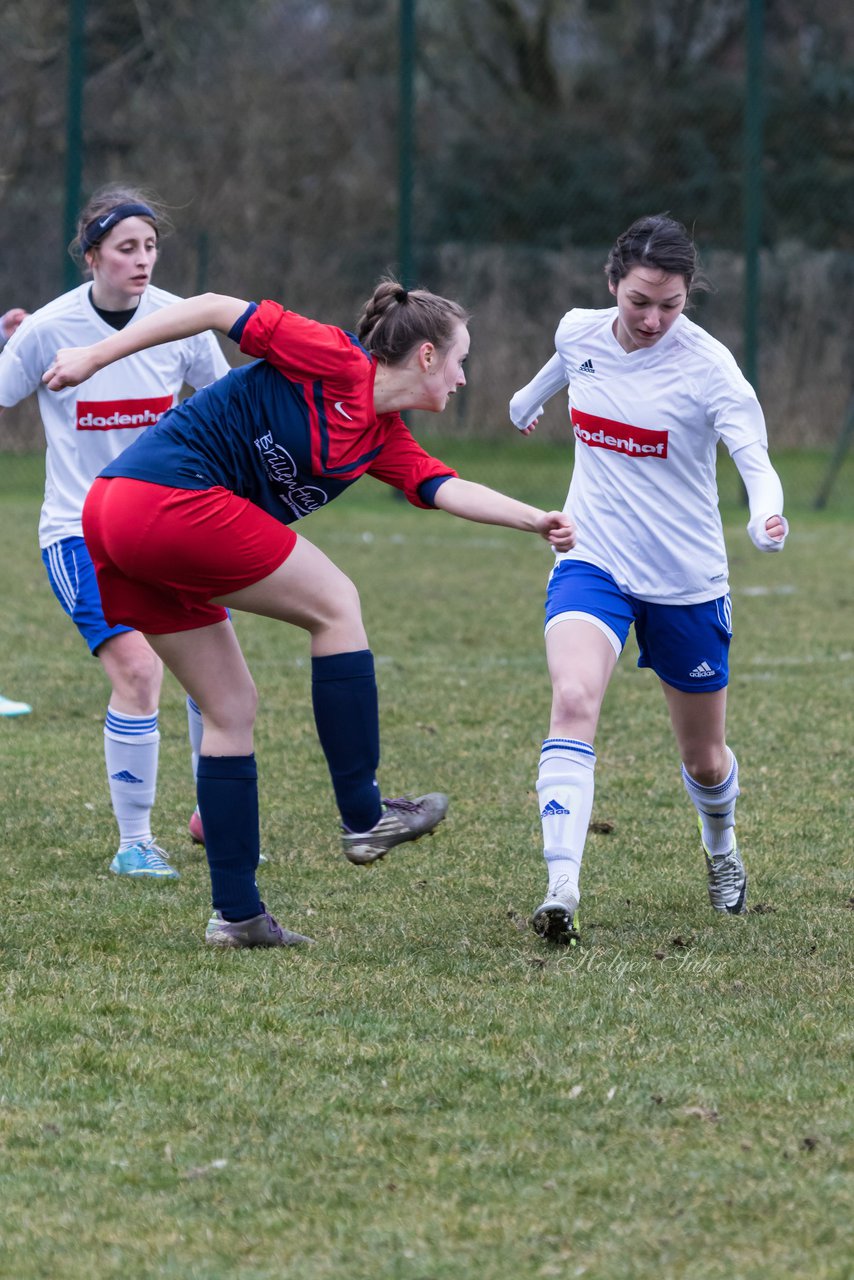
(524,420)
(769,533)
(11,319)
(557,529)
(70,367)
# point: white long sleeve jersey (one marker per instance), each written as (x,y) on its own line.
(88,426)
(643,493)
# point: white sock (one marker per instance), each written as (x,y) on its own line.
(131,750)
(716,807)
(565,789)
(195,728)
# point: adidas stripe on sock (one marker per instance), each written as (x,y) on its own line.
(565,785)
(131,752)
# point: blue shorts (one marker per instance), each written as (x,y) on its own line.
(686,645)
(72,575)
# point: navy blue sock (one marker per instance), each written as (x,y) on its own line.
(227,790)
(344,696)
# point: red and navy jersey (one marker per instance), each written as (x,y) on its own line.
(290,431)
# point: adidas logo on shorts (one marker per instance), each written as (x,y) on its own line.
(702,672)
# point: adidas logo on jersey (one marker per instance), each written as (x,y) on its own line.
(554,809)
(124,776)
(702,672)
(587,367)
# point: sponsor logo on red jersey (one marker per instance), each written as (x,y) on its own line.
(620,437)
(118,415)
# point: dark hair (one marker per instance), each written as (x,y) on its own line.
(395,319)
(104,201)
(659,241)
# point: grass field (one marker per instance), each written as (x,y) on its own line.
(429,1093)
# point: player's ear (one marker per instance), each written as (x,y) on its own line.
(612,288)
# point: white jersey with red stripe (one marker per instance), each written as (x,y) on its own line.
(647,423)
(86,427)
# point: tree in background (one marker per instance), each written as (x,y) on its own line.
(542,127)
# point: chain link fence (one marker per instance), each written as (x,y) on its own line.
(492,151)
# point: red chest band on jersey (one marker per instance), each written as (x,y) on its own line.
(620,437)
(117,415)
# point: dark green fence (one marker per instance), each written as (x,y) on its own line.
(491,150)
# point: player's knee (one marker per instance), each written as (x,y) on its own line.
(348,605)
(137,676)
(341,612)
(708,766)
(230,710)
(572,699)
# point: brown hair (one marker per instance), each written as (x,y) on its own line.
(658,241)
(395,319)
(104,201)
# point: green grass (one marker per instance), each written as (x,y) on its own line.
(429,1093)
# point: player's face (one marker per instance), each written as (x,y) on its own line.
(648,302)
(122,264)
(445,373)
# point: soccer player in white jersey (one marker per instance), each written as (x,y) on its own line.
(650,396)
(85,428)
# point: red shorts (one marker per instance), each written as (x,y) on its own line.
(162,554)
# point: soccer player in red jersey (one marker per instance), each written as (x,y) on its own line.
(197,516)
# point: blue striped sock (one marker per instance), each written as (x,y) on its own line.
(131,753)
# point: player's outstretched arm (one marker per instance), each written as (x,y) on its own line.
(73,365)
(768,526)
(526,407)
(487,506)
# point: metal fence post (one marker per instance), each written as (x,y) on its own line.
(406,136)
(753,144)
(73,131)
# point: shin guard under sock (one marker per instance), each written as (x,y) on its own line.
(227,788)
(716,807)
(131,752)
(344,697)
(565,790)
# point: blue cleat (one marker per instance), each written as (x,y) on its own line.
(8,707)
(143,859)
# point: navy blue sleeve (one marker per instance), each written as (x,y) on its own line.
(427,491)
(236,330)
